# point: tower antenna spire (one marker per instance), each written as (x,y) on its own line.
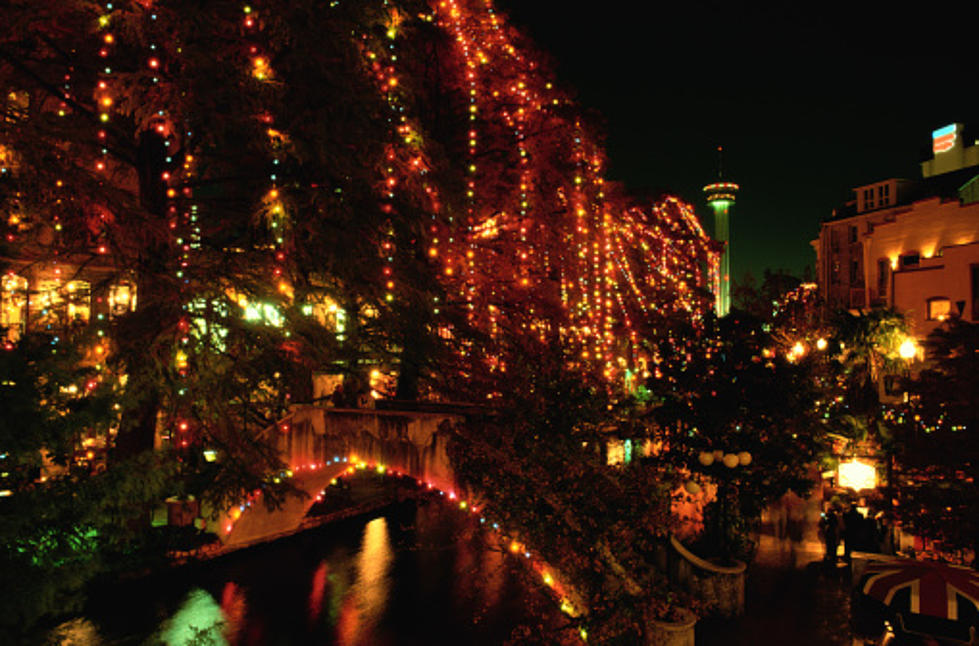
(720,162)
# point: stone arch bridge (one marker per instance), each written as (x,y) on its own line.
(318,442)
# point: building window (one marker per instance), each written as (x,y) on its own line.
(13,310)
(910,259)
(55,306)
(78,300)
(868,199)
(46,304)
(122,299)
(939,308)
(853,234)
(883,266)
(855,272)
(884,194)
(835,274)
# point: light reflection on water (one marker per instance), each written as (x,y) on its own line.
(234,607)
(199,620)
(407,577)
(317,591)
(76,632)
(367,598)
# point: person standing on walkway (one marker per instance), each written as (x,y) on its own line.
(852,529)
(885,533)
(830,524)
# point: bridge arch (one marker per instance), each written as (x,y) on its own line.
(319,444)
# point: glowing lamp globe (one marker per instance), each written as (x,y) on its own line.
(744,458)
(706,458)
(908,349)
(731,460)
(692,487)
(857,475)
(797,351)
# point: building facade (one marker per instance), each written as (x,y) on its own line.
(910,245)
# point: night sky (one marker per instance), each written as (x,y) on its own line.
(807,100)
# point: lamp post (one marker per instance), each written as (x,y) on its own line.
(722,465)
(908,350)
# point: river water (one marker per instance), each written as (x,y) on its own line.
(412,574)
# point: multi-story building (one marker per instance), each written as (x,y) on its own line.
(909,244)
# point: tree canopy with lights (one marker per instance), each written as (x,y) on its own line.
(214,201)
(409,172)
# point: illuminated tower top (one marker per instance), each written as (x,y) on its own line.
(721,197)
(725,192)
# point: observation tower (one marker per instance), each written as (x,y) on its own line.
(721,196)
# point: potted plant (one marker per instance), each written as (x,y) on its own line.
(671,622)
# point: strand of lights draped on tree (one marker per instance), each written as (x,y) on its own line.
(528,225)
(541,220)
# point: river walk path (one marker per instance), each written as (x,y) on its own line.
(792,598)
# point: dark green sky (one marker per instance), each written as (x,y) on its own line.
(808,100)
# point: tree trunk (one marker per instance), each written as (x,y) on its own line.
(157,309)
(409,373)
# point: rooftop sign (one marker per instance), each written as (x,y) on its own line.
(943,139)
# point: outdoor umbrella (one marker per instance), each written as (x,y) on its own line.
(931,598)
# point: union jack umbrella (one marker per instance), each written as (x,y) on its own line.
(936,590)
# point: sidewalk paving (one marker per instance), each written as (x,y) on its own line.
(792,597)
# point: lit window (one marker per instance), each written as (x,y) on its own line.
(79,303)
(615,452)
(46,304)
(122,299)
(14,306)
(939,308)
(330,315)
(206,326)
(264,313)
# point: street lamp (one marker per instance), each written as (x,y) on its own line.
(727,491)
(908,349)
